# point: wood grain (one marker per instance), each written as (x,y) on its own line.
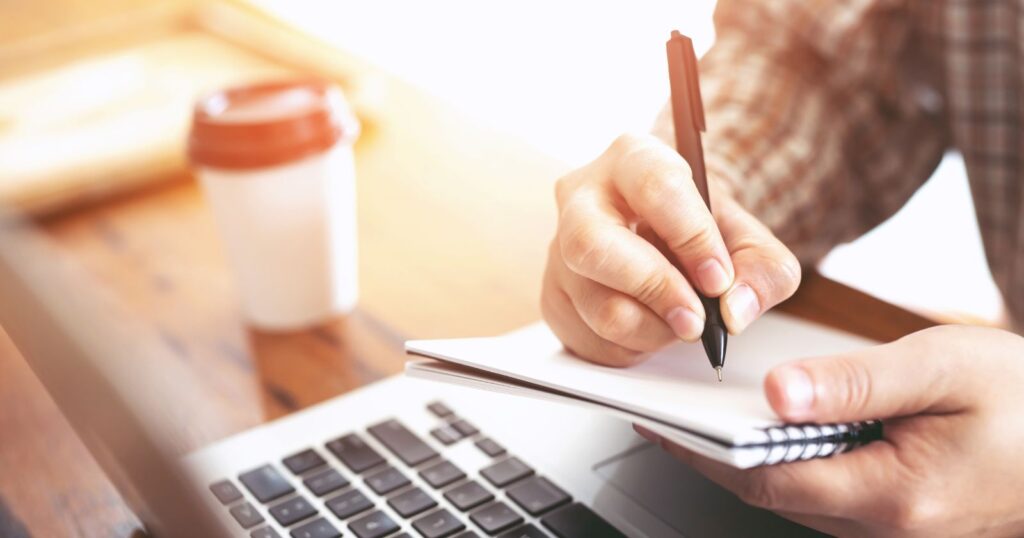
(49,482)
(454,221)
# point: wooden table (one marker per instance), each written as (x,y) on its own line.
(454,222)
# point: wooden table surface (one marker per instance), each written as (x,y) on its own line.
(454,221)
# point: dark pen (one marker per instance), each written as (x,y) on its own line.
(688,120)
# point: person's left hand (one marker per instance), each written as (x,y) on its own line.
(950,463)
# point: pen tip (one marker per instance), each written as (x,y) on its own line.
(718,371)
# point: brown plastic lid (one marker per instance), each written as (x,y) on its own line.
(269,124)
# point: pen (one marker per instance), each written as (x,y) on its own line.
(688,119)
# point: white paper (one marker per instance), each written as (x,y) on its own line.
(676,386)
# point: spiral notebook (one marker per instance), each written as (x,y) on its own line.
(674,393)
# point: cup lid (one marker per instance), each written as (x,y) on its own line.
(268,124)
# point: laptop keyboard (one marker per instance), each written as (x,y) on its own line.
(449,504)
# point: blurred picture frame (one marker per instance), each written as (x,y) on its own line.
(100,108)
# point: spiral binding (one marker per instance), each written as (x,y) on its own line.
(807,441)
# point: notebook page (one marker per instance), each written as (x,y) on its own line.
(446,372)
(676,386)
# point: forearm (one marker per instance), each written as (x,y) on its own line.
(807,142)
(775,140)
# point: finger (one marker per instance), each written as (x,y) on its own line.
(596,243)
(767,273)
(577,337)
(657,185)
(883,381)
(853,485)
(615,316)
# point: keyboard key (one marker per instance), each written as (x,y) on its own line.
(446,434)
(526,531)
(386,480)
(225,491)
(403,443)
(465,428)
(246,515)
(442,474)
(373,525)
(355,453)
(490,447)
(349,504)
(303,461)
(496,517)
(265,483)
(578,521)
(438,524)
(403,535)
(537,495)
(292,511)
(467,534)
(439,409)
(325,482)
(264,532)
(318,528)
(412,502)
(467,496)
(506,471)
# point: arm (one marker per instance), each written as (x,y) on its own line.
(810,131)
(813,120)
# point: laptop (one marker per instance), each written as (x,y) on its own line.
(401,457)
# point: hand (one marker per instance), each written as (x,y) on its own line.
(612,294)
(949,463)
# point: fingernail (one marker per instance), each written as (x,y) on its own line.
(685,323)
(743,305)
(712,277)
(797,389)
(646,434)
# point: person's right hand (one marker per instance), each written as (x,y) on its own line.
(635,240)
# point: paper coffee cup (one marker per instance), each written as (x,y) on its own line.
(276,164)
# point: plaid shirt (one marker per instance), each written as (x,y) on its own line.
(825,116)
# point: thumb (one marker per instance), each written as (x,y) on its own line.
(924,372)
(767,273)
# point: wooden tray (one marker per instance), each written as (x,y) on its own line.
(103,107)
